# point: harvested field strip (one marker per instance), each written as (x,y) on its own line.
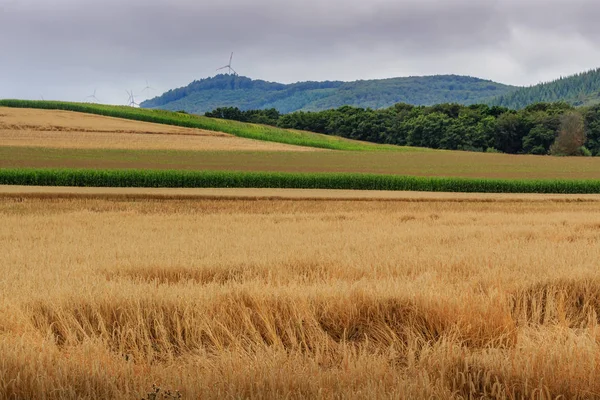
(250,131)
(233,179)
(244,194)
(55,129)
(445,164)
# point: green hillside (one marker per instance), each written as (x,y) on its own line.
(247,94)
(578,90)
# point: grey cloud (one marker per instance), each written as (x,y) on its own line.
(80,44)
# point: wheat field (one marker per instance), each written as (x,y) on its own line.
(57,129)
(122,298)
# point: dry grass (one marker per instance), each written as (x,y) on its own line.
(299,299)
(69,130)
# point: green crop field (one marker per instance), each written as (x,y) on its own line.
(250,131)
(354,165)
(238,179)
(448,164)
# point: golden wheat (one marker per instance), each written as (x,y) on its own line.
(69,130)
(102,298)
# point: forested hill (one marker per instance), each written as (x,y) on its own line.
(248,94)
(578,90)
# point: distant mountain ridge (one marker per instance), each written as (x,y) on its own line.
(247,94)
(581,89)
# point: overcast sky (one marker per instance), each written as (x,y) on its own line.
(65,49)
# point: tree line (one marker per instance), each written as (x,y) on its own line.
(542,128)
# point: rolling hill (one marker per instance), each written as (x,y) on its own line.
(582,89)
(246,94)
(235,128)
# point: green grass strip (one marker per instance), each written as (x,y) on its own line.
(241,129)
(229,179)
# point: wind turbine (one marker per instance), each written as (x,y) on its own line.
(131,100)
(228,66)
(93,97)
(147,87)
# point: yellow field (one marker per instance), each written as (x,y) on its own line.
(43,192)
(299,298)
(69,130)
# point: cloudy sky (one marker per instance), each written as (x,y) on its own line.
(66,49)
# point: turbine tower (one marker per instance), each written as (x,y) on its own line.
(131,100)
(228,66)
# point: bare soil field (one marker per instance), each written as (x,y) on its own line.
(70,130)
(272,298)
